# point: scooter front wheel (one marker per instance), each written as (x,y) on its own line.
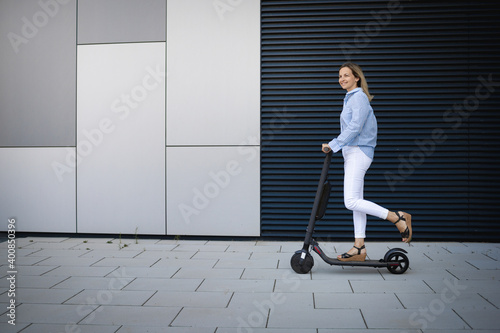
(302,265)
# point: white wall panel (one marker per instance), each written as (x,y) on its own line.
(33,192)
(213,191)
(213,72)
(121,138)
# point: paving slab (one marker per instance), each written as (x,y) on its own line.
(263,302)
(410,319)
(335,273)
(60,328)
(92,239)
(232,285)
(164,284)
(33,270)
(371,330)
(111,297)
(65,270)
(492,297)
(65,314)
(110,254)
(300,284)
(67,261)
(149,246)
(179,242)
(222,255)
(265,330)
(199,299)
(57,253)
(113,262)
(418,273)
(211,273)
(20,252)
(480,319)
(360,286)
(33,281)
(46,245)
(201,247)
(284,258)
(456,331)
(149,329)
(41,295)
(48,239)
(296,317)
(268,273)
(468,274)
(110,245)
(8,328)
(484,263)
(92,282)
(356,301)
(20,260)
(220,317)
(465,248)
(166,254)
(459,286)
(236,242)
(464,300)
(20,241)
(287,247)
(272,248)
(239,263)
(164,272)
(131,316)
(196,263)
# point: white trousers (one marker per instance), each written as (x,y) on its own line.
(356,163)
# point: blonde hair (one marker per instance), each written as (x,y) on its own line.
(358,73)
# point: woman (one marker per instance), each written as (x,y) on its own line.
(357,140)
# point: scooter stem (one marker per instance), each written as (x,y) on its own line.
(312,218)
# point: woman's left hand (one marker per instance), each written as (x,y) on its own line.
(325,148)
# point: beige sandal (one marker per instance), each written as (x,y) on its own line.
(408,233)
(353,257)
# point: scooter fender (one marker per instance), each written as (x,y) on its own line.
(303,254)
(391,251)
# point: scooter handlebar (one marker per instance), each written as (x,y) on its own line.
(326,148)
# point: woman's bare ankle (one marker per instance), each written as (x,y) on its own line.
(392,217)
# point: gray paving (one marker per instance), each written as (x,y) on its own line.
(153,285)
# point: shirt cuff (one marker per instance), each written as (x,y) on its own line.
(334,146)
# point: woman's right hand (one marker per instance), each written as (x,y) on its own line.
(325,148)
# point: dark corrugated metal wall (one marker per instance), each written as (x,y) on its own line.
(434,69)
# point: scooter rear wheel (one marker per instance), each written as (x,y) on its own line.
(397,263)
(302,266)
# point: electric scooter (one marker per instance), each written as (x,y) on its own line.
(395,260)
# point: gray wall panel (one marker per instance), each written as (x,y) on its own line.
(38,72)
(111,21)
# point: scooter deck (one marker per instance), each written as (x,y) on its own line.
(336,262)
(367,263)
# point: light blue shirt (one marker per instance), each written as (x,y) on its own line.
(358,125)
